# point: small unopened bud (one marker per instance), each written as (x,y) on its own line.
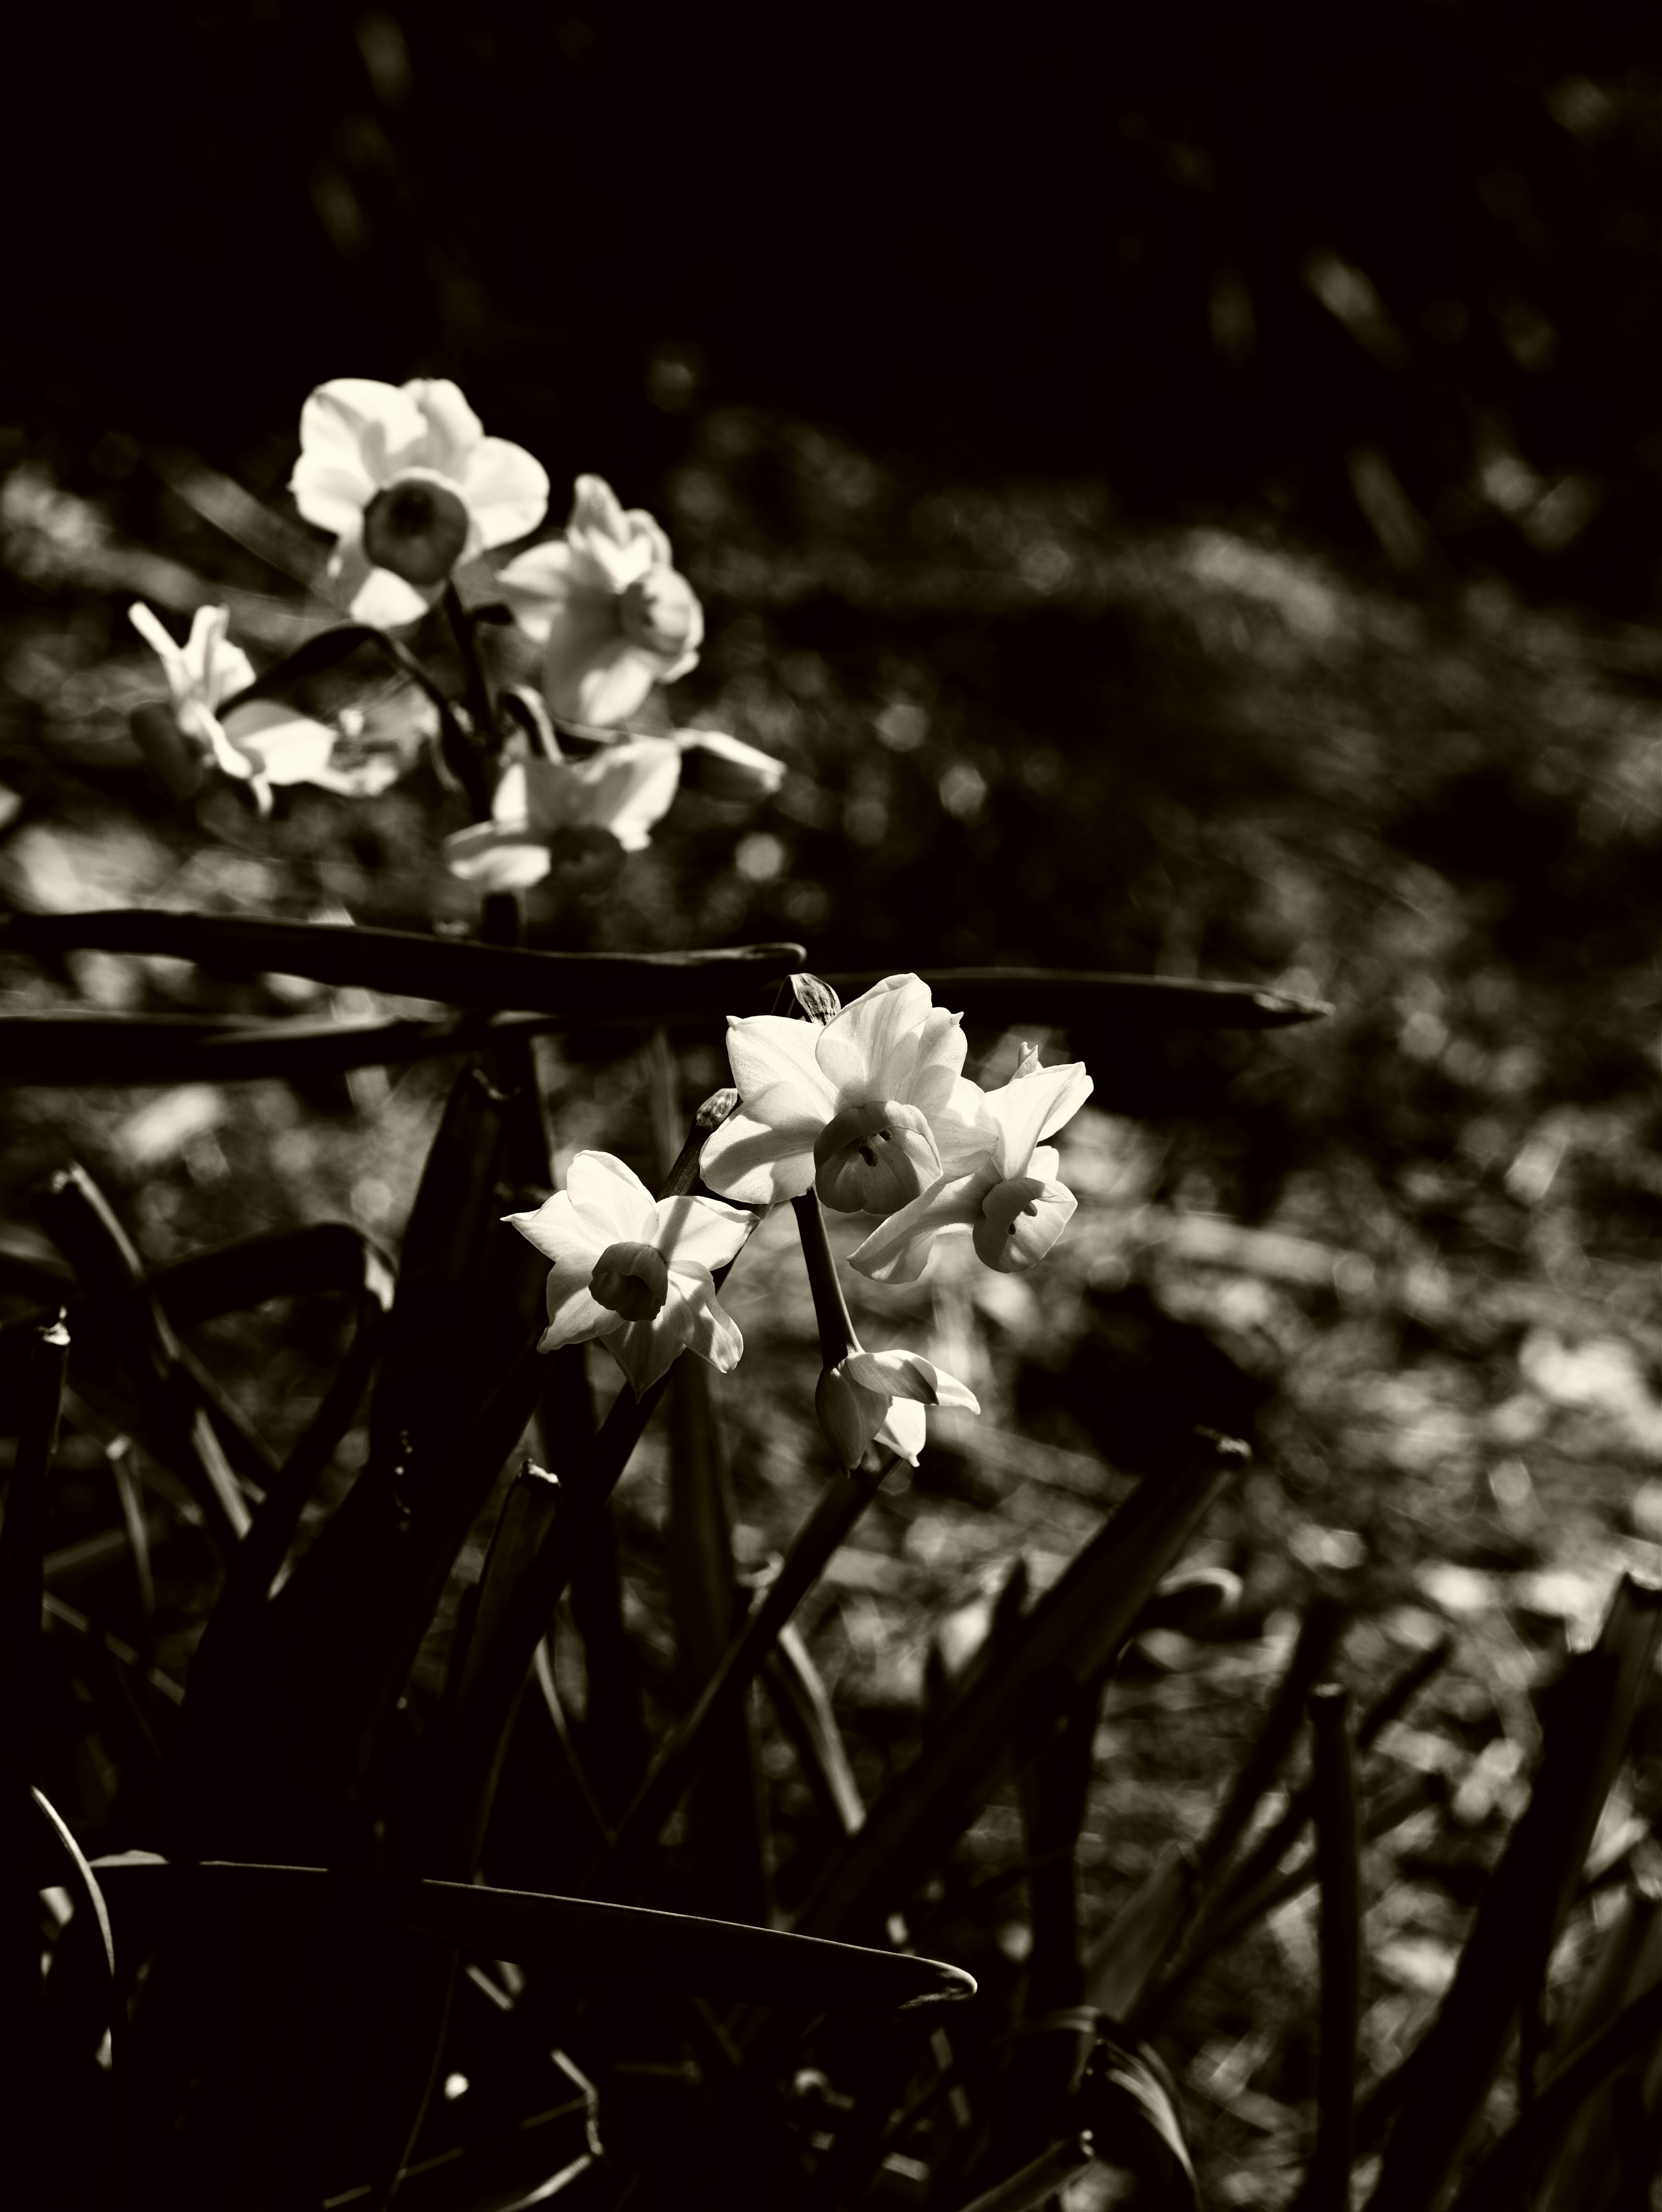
(660,613)
(875,1158)
(177,764)
(848,1416)
(417,527)
(630,1279)
(816,998)
(1028,1064)
(716,1108)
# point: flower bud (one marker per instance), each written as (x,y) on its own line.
(848,1416)
(1020,1221)
(816,998)
(417,527)
(630,1279)
(875,1158)
(660,613)
(717,1107)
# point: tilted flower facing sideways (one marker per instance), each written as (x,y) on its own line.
(611,612)
(1009,1200)
(871,1109)
(407,480)
(260,743)
(879,1397)
(635,1271)
(549,813)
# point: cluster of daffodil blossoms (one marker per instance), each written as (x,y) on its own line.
(416,497)
(864,1109)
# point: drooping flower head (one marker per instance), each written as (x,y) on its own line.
(635,1271)
(1008,1199)
(563,813)
(611,612)
(879,1397)
(869,1109)
(407,480)
(260,743)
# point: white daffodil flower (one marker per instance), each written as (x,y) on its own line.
(1010,1200)
(635,1271)
(611,612)
(260,743)
(547,813)
(407,480)
(869,1109)
(879,1397)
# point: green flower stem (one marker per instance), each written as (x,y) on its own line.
(476,691)
(831,1308)
(840,1506)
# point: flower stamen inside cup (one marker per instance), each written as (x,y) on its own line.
(630,1279)
(417,527)
(875,1158)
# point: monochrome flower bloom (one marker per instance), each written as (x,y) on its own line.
(635,1271)
(546,812)
(879,1397)
(1009,1200)
(869,1109)
(407,480)
(260,743)
(606,602)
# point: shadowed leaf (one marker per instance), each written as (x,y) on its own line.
(580,1939)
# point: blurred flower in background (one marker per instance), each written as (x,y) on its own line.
(260,743)
(582,815)
(610,609)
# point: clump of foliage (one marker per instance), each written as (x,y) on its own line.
(386,1900)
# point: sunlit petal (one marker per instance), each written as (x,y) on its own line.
(284,747)
(451,429)
(387,602)
(698,1232)
(1032,1107)
(498,856)
(898,1249)
(874,1036)
(611,1199)
(759,1163)
(507,489)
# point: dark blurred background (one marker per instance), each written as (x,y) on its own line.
(1390,274)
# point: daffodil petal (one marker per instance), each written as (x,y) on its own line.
(451,431)
(904,1430)
(506,490)
(387,602)
(498,856)
(612,1201)
(284,747)
(1032,1107)
(696,1231)
(356,422)
(769,1050)
(759,1163)
(613,686)
(874,1039)
(898,1249)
